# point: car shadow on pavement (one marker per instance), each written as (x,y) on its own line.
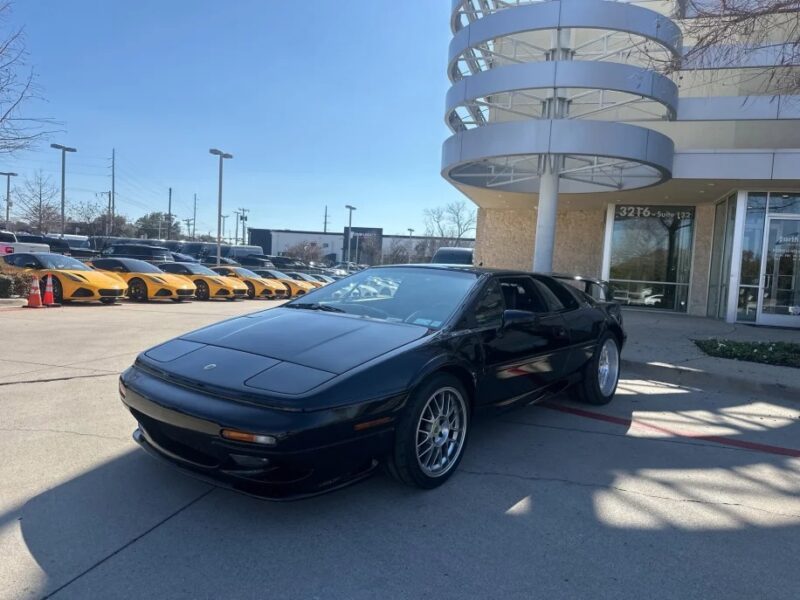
(544,503)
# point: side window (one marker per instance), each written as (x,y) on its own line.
(559,291)
(490,307)
(519,293)
(552,300)
(225,272)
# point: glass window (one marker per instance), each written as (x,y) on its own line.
(519,293)
(784,203)
(748,304)
(553,303)
(717,279)
(753,239)
(489,310)
(651,253)
(565,299)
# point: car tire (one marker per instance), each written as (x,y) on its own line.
(137,290)
(423,431)
(58,290)
(601,373)
(202,293)
(251,290)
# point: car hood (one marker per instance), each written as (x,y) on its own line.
(170,279)
(280,351)
(96,278)
(231,282)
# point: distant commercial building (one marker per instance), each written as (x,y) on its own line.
(684,191)
(368,245)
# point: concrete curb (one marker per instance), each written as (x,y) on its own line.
(12,302)
(721,382)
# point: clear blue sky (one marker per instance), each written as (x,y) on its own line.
(320,102)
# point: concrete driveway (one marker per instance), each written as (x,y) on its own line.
(669,492)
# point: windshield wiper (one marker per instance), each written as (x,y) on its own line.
(315,306)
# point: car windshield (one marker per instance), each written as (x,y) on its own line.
(246,272)
(140,266)
(417,296)
(279,274)
(61,262)
(198,269)
(77,243)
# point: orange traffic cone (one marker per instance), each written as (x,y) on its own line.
(35,295)
(49,299)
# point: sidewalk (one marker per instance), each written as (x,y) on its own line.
(660,346)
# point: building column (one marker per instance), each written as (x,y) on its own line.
(545,239)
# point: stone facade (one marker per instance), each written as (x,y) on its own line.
(701,259)
(505,240)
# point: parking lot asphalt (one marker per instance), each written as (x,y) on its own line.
(668,492)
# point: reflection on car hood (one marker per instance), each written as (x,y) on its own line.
(329,342)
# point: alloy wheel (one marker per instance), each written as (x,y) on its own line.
(441,431)
(608,367)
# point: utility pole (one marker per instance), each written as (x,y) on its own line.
(169,216)
(349,232)
(64,150)
(194,217)
(410,244)
(236,235)
(189,222)
(113,188)
(8,199)
(325,222)
(222,156)
(223,217)
(109,216)
(244,212)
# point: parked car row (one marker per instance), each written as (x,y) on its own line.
(107,279)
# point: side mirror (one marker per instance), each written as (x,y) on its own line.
(517,318)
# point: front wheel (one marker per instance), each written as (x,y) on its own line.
(202,293)
(251,290)
(431,435)
(601,373)
(137,290)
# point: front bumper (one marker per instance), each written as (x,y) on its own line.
(182,426)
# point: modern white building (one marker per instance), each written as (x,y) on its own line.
(583,157)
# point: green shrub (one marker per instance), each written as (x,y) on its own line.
(785,354)
(15,284)
(6,286)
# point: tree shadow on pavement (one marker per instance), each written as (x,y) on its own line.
(545,504)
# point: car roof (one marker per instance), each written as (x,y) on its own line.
(467,268)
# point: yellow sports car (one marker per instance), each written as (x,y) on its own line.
(306,278)
(209,284)
(72,279)
(257,286)
(295,287)
(146,281)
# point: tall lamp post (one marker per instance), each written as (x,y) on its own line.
(349,230)
(64,150)
(222,156)
(410,244)
(8,197)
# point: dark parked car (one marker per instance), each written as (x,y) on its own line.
(313,395)
(153,254)
(453,256)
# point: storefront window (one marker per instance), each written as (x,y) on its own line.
(651,256)
(753,238)
(784,203)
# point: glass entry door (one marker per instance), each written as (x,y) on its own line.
(780,273)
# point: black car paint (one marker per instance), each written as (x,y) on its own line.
(317,381)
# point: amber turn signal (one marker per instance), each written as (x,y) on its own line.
(243,436)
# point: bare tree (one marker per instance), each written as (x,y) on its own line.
(306,251)
(729,33)
(399,252)
(449,223)
(17,87)
(86,212)
(37,204)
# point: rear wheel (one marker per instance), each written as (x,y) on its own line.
(202,292)
(58,290)
(251,290)
(601,373)
(431,435)
(137,290)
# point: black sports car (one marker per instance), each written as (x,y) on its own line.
(313,395)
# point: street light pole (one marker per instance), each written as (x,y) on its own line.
(222,156)
(64,150)
(8,198)
(349,230)
(410,243)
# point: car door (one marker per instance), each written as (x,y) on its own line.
(521,359)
